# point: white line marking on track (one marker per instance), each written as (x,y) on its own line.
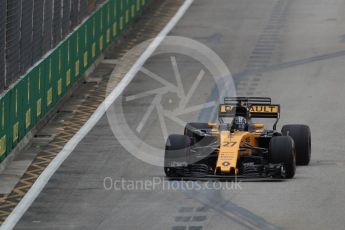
(43,179)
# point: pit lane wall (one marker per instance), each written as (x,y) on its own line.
(43,86)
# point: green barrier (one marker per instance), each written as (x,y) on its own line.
(95,34)
(127,12)
(71,74)
(99,40)
(4,126)
(27,101)
(36,93)
(32,99)
(108,20)
(117,18)
(56,68)
(48,86)
(60,72)
(74,56)
(63,68)
(136,4)
(82,48)
(91,24)
(88,39)
(78,54)
(38,86)
(122,15)
(133,9)
(114,12)
(106,25)
(16,118)
(102,28)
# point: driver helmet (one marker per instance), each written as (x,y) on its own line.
(239,123)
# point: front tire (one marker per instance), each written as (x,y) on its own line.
(177,149)
(302,137)
(282,151)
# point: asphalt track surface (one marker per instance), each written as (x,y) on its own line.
(292,51)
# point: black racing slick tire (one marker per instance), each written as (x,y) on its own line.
(302,137)
(282,151)
(177,149)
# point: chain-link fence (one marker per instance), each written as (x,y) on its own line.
(31,28)
(27,36)
(2,43)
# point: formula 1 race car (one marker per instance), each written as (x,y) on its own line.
(239,148)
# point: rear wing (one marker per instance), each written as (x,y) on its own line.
(250,107)
(247,100)
(264,111)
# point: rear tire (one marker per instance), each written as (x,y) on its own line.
(177,149)
(302,137)
(282,151)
